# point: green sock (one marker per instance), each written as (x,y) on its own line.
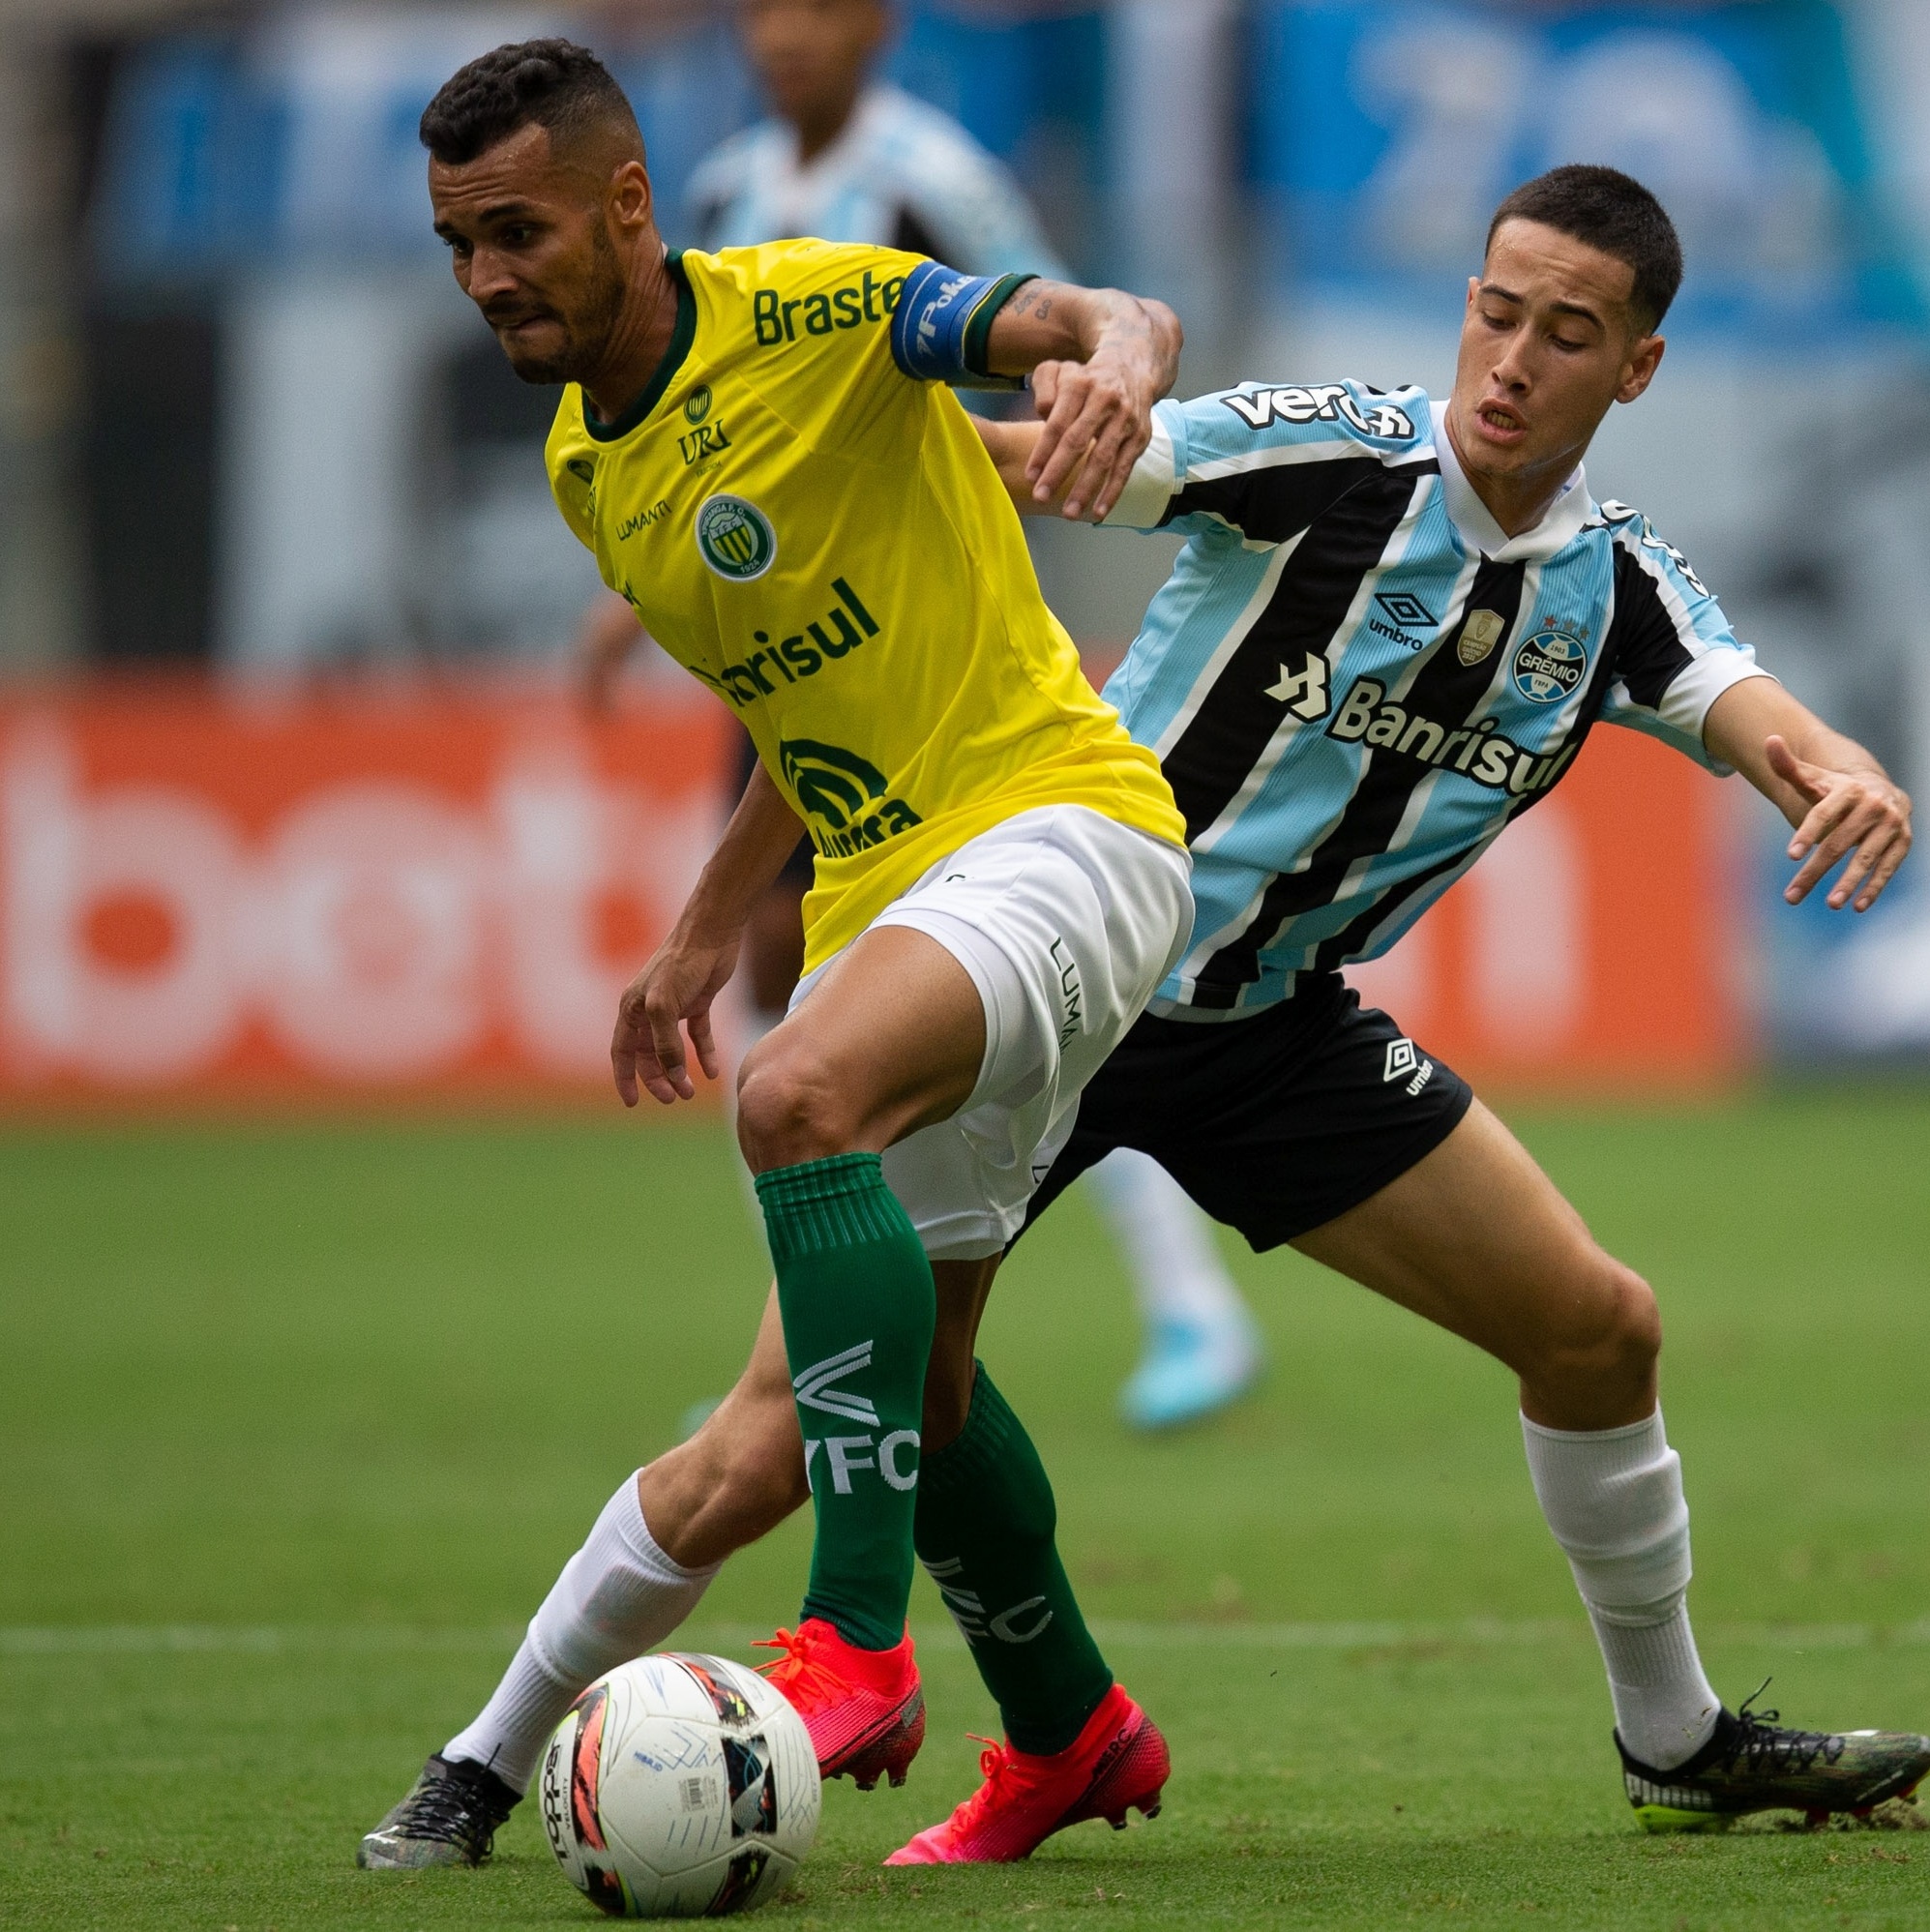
(985,1532)
(856,1292)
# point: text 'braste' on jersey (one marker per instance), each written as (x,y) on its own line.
(871,300)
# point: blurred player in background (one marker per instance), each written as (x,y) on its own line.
(849,158)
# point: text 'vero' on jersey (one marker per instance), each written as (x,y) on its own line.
(1355,678)
(824,541)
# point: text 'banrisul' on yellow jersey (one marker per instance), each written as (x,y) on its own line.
(824,541)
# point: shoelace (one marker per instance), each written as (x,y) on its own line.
(1759,1745)
(451,1812)
(996,1765)
(799,1672)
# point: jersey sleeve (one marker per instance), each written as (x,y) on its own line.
(1267,461)
(1672,651)
(571,460)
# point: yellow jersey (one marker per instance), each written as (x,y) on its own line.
(825,543)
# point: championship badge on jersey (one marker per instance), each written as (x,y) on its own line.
(1479,635)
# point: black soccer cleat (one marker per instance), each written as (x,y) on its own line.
(449,1817)
(1750,1764)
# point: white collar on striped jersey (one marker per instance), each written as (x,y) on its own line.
(1475,521)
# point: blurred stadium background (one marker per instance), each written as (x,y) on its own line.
(250,428)
(297,814)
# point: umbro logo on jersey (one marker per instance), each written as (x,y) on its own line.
(1304,692)
(816,1387)
(1405,1062)
(1324,402)
(1407,610)
(735,538)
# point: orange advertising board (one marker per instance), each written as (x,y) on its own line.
(208,896)
(366,892)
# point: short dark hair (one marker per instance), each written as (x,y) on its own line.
(1613,212)
(551,83)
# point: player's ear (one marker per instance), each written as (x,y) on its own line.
(1645,358)
(630,200)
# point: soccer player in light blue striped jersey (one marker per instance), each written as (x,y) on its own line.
(1392,628)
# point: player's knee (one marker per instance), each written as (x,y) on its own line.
(790,1110)
(1613,1330)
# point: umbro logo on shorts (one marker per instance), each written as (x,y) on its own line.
(816,1387)
(1405,1062)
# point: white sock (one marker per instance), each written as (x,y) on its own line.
(619,1597)
(1168,1246)
(1614,1500)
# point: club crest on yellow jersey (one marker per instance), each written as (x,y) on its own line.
(735,538)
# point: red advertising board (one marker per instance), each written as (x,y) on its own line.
(373,893)
(208,896)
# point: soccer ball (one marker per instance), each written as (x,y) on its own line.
(680,1786)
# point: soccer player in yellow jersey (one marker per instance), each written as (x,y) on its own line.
(761,451)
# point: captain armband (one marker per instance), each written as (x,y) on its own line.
(941,330)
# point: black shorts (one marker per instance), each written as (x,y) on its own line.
(1274,1124)
(800,868)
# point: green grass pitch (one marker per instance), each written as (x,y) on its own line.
(297,1423)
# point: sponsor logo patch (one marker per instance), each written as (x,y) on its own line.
(1477,751)
(1548,667)
(735,538)
(838,786)
(1324,402)
(696,404)
(1304,692)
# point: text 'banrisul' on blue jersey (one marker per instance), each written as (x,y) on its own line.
(1355,677)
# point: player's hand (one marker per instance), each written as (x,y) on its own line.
(1098,413)
(1856,813)
(673,994)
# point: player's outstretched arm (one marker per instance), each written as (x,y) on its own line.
(686,973)
(1010,446)
(1840,800)
(1099,360)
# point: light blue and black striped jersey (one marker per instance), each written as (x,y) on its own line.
(1355,678)
(901,175)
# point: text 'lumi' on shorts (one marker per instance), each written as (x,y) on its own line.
(1274,1123)
(1066,921)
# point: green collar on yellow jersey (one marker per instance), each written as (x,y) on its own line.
(682,336)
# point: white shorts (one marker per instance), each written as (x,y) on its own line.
(1067,921)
